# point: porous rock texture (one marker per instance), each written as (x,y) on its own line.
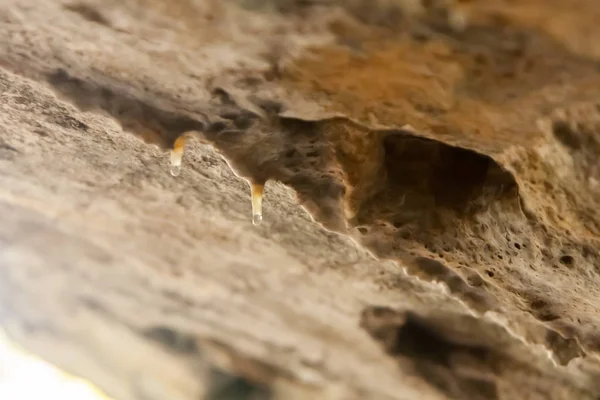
(431,208)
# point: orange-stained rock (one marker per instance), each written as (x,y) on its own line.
(430,222)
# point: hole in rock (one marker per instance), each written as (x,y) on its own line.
(426,182)
(567,260)
(450,176)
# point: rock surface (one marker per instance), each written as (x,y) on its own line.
(431,224)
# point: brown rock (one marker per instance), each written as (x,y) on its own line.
(451,177)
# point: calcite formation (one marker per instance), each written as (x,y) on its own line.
(426,174)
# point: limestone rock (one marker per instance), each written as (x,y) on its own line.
(431,224)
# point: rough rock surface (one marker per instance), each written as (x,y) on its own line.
(431,209)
